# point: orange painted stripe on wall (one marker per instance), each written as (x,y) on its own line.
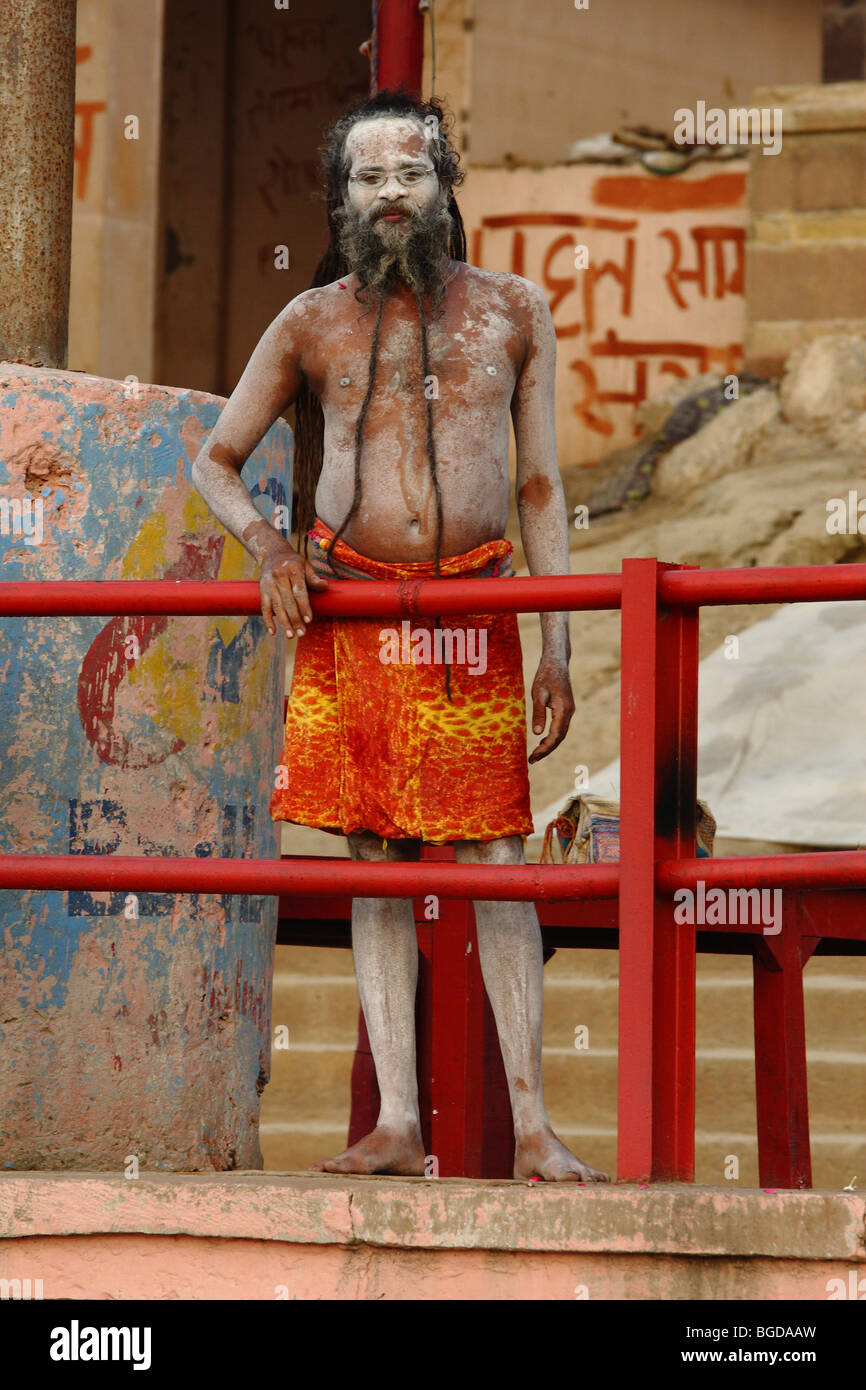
(674,194)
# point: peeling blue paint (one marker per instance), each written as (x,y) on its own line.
(57,796)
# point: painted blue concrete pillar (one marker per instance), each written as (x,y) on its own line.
(131,1028)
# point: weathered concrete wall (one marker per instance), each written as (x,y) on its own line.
(526,80)
(124,1034)
(661,296)
(806,258)
(293,72)
(302,1237)
(197,128)
(173,273)
(174,233)
(116,236)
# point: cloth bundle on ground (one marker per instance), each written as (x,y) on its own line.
(372,741)
(587,832)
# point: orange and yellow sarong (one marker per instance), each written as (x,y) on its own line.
(372,741)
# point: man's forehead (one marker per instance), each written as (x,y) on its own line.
(386,137)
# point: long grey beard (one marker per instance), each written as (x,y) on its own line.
(418,256)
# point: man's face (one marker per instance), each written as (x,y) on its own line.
(391,174)
(395,223)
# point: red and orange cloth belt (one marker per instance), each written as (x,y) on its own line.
(372,741)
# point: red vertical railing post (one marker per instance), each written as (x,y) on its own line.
(675,838)
(635,1094)
(456,1034)
(658,787)
(781,1091)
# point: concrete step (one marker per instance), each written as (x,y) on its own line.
(323,1005)
(580,1088)
(288,1147)
(317,1008)
(322,1011)
(835,1010)
(600,965)
(313,960)
(310,1084)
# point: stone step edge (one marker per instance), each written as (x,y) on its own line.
(444,1213)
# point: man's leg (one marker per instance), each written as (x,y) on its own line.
(510,954)
(385,948)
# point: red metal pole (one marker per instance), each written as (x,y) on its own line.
(378,598)
(781,1086)
(456,1026)
(344,598)
(364,1112)
(675,965)
(657,815)
(499,883)
(637,872)
(772,584)
(399,40)
(844,868)
(319,876)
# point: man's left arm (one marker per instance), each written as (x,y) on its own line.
(542,512)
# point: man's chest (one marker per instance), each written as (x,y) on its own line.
(466,357)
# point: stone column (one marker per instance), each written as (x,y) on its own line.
(37,99)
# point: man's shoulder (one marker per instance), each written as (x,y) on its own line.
(521,301)
(306,316)
(524,302)
(310,302)
(519,290)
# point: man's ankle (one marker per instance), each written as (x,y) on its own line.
(399,1117)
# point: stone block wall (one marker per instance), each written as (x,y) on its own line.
(806,246)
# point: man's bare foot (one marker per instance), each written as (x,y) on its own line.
(541,1155)
(383,1151)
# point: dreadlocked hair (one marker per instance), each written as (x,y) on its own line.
(309,419)
(431,454)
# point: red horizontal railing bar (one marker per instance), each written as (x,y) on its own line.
(344,598)
(127,597)
(501,882)
(380,599)
(772,584)
(836,869)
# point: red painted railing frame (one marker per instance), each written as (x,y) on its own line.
(658,791)
(660,606)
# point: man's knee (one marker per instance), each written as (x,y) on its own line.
(363,844)
(508,850)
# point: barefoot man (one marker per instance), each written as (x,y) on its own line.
(408,361)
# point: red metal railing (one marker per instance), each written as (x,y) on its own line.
(656,1083)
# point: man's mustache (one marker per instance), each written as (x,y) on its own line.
(406,211)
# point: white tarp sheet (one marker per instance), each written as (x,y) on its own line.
(781,731)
